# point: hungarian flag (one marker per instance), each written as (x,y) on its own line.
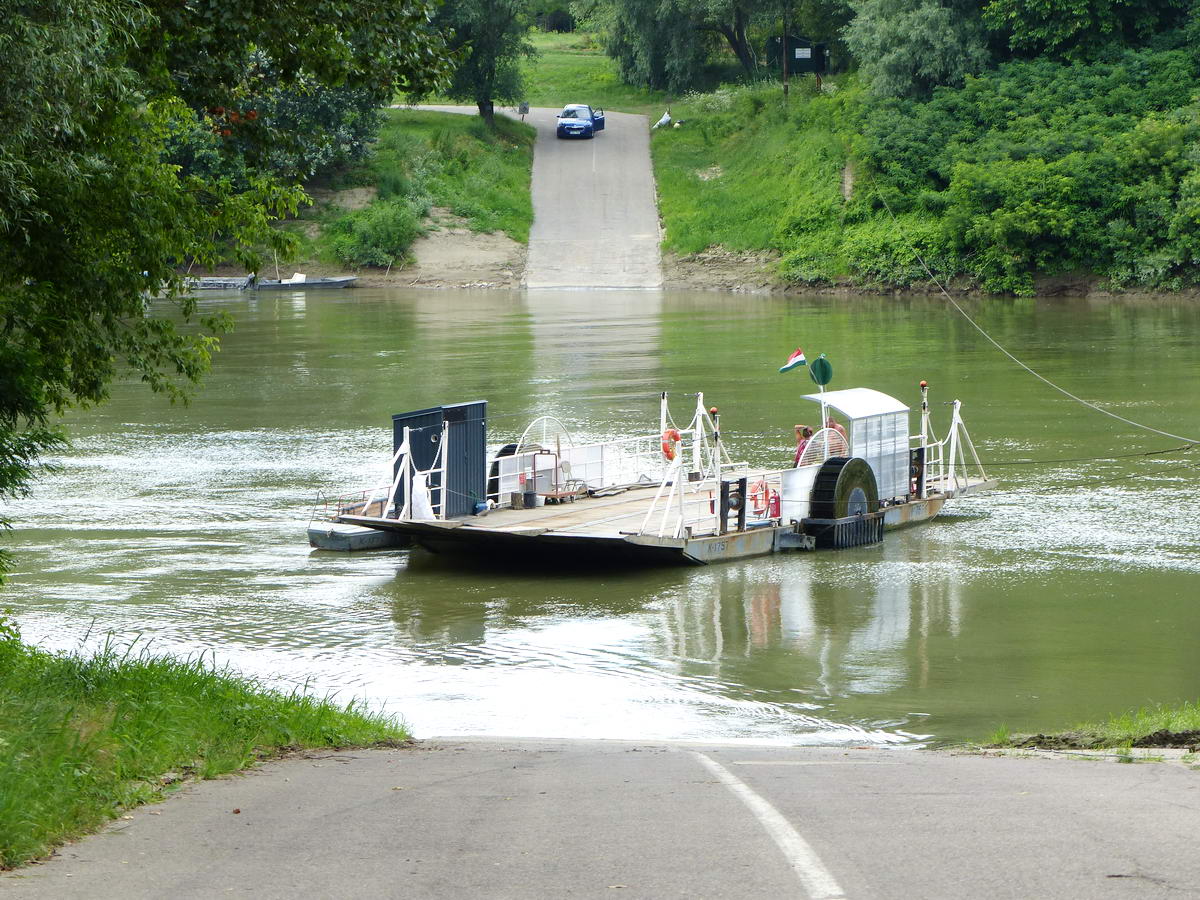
(796,359)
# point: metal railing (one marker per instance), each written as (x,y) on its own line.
(950,461)
(588,467)
(681,506)
(556,464)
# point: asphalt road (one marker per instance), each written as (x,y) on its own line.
(595,209)
(526,819)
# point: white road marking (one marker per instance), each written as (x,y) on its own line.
(818,882)
(808,762)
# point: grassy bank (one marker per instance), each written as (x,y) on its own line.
(421,160)
(83,737)
(1158,726)
(744,166)
(1032,170)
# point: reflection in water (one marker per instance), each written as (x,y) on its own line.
(1068,594)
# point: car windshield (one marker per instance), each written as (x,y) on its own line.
(572,112)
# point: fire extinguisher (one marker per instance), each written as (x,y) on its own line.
(773,505)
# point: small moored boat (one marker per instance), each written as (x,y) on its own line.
(668,496)
(218,282)
(301,282)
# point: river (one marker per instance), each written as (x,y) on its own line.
(1071,592)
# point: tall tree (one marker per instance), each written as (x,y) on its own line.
(731,19)
(489,38)
(657,43)
(907,47)
(665,44)
(94,218)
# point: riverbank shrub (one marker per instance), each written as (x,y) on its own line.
(425,159)
(1032,169)
(84,736)
(378,235)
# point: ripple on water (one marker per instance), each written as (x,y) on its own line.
(187,528)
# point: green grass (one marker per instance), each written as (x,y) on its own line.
(750,171)
(1120,731)
(572,68)
(1000,737)
(1124,729)
(456,161)
(745,167)
(424,159)
(84,737)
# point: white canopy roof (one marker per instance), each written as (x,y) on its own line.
(858,403)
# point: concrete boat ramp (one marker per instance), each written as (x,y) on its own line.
(595,206)
(456,818)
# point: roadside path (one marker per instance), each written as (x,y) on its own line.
(551,819)
(595,209)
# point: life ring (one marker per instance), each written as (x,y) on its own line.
(759,497)
(670,438)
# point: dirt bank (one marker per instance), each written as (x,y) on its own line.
(718,269)
(1086,740)
(751,272)
(449,255)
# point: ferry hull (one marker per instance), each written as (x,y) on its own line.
(541,547)
(532,547)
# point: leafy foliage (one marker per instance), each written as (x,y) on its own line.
(1075,29)
(907,47)
(489,38)
(378,235)
(1032,169)
(658,45)
(315,129)
(1043,168)
(199,49)
(94,216)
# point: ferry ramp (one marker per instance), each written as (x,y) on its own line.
(595,207)
(595,210)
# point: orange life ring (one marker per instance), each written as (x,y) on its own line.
(759,497)
(670,438)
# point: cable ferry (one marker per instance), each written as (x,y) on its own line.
(668,496)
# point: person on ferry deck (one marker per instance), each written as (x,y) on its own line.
(836,426)
(803,433)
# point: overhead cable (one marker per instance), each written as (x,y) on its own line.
(1036,375)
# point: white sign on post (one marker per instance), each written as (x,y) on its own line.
(803,53)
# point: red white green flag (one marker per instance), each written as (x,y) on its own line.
(796,359)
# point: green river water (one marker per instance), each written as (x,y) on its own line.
(1071,592)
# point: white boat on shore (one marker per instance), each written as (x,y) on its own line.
(670,496)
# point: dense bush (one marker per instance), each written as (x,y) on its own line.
(1039,168)
(294,131)
(1034,168)
(378,235)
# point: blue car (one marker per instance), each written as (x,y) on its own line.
(579,120)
